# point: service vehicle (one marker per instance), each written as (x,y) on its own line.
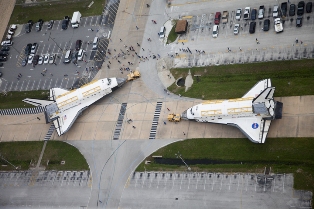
(174,117)
(134,75)
(76,19)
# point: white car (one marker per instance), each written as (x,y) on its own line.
(7,43)
(52,58)
(246,14)
(275,11)
(80,55)
(40,60)
(13,27)
(215,31)
(34,48)
(10,32)
(46,59)
(261,12)
(30,59)
(236,29)
(238,14)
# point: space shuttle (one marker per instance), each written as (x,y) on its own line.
(64,106)
(252,113)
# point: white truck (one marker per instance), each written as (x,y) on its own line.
(76,19)
(278,25)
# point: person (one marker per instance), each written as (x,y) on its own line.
(147,5)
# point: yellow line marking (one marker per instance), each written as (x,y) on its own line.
(187,17)
(183,40)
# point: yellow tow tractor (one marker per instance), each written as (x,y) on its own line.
(174,117)
(134,75)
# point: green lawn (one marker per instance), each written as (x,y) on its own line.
(283,155)
(55,10)
(291,78)
(172,35)
(13,99)
(23,153)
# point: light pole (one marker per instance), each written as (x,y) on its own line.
(179,155)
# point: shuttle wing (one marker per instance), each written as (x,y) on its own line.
(65,121)
(256,129)
(258,88)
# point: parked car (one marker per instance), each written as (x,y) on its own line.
(28,26)
(40,60)
(8,37)
(4,53)
(35,59)
(266,25)
(246,14)
(299,21)
(292,10)
(46,59)
(13,27)
(253,14)
(3,58)
(275,11)
(78,45)
(50,24)
(5,48)
(301,5)
(217,18)
(65,22)
(238,14)
(0,72)
(7,43)
(34,48)
(1,64)
(236,29)
(252,27)
(39,25)
(308,7)
(81,54)
(261,12)
(52,58)
(30,59)
(28,49)
(284,8)
(11,32)
(215,31)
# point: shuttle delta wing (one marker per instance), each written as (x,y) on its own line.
(64,122)
(258,88)
(255,129)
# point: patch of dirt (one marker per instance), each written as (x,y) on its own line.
(6,9)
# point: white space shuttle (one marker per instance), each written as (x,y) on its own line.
(65,106)
(252,113)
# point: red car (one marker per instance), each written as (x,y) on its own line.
(217,18)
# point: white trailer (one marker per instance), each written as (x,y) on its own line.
(76,19)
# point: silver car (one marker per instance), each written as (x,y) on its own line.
(238,14)
(236,29)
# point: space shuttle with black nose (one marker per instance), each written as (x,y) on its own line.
(252,113)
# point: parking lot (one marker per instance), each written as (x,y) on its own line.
(259,46)
(233,190)
(45,188)
(56,42)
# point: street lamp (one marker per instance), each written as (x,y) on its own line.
(179,155)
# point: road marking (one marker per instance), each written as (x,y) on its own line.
(38,84)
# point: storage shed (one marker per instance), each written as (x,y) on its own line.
(181,26)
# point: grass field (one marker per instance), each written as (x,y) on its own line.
(283,155)
(55,10)
(23,153)
(291,78)
(172,35)
(13,99)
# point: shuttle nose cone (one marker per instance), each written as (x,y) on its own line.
(121,81)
